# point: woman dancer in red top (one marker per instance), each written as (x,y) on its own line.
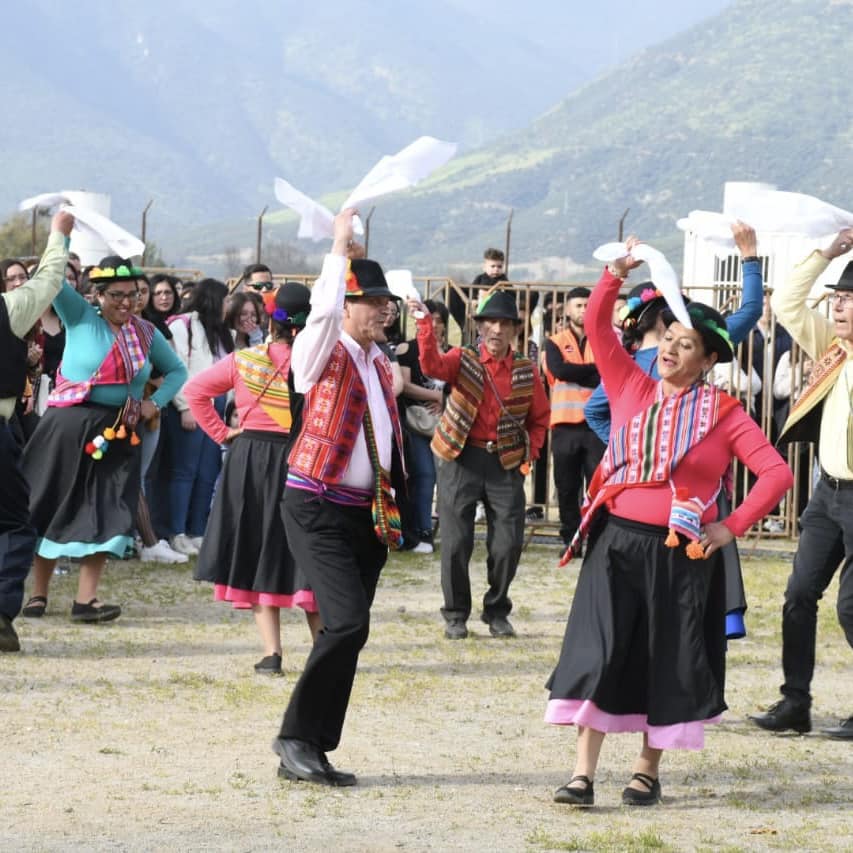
(644,647)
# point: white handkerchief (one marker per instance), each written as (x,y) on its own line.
(316,222)
(769,211)
(400,283)
(120,241)
(403,169)
(660,271)
(43,200)
(89,222)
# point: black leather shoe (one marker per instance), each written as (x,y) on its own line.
(9,641)
(92,613)
(499,626)
(576,796)
(843,731)
(636,797)
(302,761)
(784,715)
(456,629)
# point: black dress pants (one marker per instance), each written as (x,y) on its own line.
(477,475)
(576,452)
(337,549)
(17,536)
(826,541)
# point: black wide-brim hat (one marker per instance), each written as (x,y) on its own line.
(640,298)
(365,278)
(289,305)
(846,280)
(711,326)
(498,305)
(113,268)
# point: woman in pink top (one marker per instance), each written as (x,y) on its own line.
(244,552)
(644,648)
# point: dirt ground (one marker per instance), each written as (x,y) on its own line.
(153,733)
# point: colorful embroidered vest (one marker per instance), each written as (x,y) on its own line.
(13,357)
(466,395)
(333,415)
(803,421)
(568,398)
(265,383)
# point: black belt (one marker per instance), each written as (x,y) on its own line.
(488,446)
(834,482)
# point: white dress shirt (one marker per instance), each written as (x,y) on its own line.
(312,348)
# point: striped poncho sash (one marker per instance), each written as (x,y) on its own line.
(265,383)
(649,447)
(465,399)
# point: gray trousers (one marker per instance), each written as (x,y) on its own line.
(476,475)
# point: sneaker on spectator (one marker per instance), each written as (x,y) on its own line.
(162,553)
(774,525)
(423,548)
(183,545)
(534,513)
(196,540)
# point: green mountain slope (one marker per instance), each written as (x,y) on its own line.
(760,92)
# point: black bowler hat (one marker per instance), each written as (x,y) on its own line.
(365,278)
(498,305)
(290,304)
(711,326)
(846,280)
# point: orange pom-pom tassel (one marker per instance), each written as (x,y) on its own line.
(121,432)
(695,551)
(135,439)
(671,540)
(109,433)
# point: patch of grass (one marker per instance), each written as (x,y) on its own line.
(607,841)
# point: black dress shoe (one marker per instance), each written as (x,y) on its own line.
(456,629)
(499,626)
(784,715)
(576,796)
(843,731)
(270,665)
(91,613)
(9,641)
(636,797)
(302,761)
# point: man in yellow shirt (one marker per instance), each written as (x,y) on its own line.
(824,412)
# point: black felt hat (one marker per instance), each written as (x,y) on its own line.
(846,280)
(498,305)
(290,304)
(365,278)
(711,326)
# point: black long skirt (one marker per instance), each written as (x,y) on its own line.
(80,505)
(646,631)
(244,552)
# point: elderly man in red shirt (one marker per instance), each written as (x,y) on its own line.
(493,426)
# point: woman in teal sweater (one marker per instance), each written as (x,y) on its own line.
(82,461)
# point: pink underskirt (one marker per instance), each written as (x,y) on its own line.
(583,712)
(245,599)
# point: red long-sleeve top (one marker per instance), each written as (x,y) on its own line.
(485,427)
(630,390)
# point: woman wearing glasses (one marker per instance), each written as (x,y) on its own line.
(82,462)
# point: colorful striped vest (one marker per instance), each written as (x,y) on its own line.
(333,416)
(568,398)
(464,401)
